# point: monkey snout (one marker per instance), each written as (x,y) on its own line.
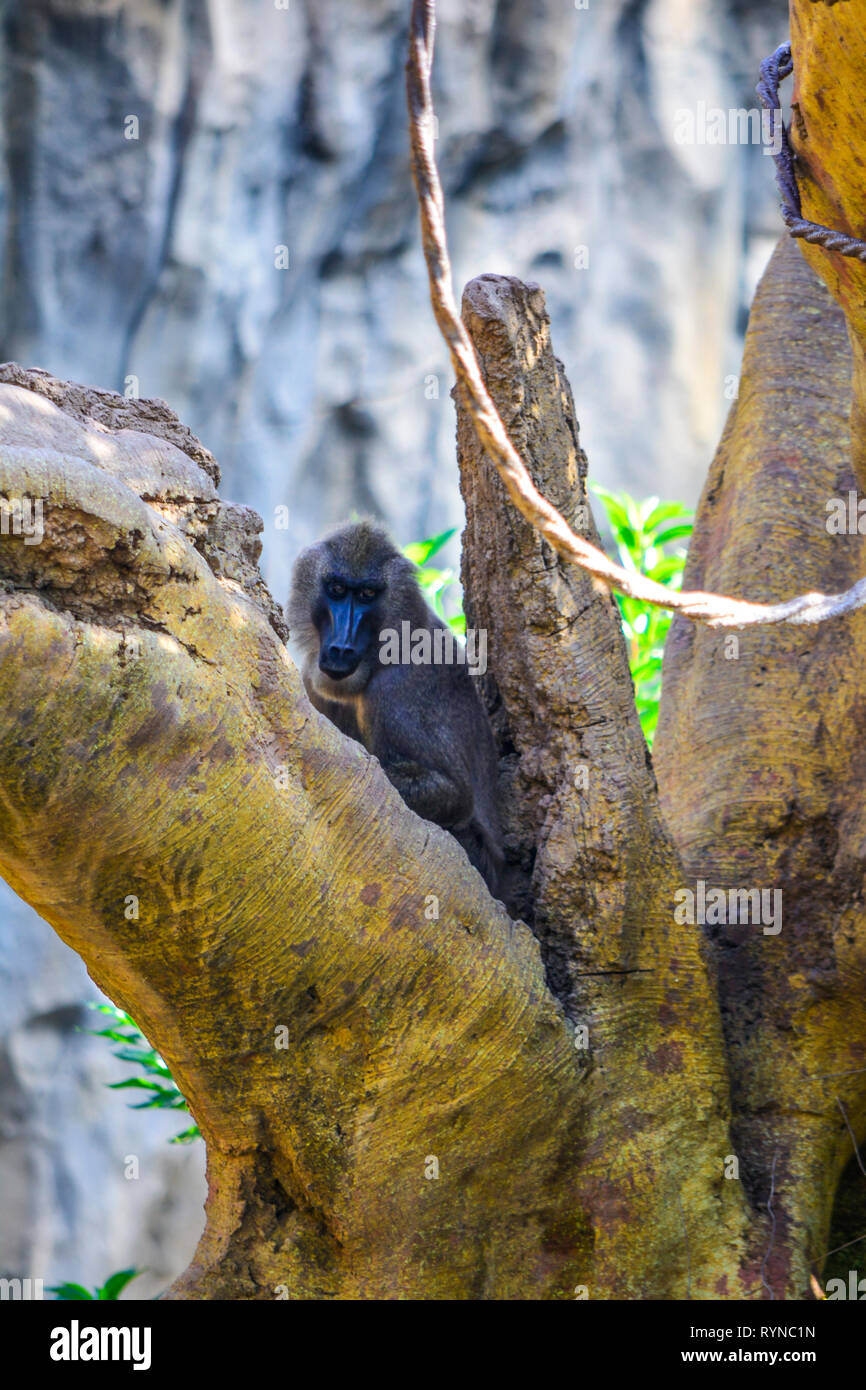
(339,662)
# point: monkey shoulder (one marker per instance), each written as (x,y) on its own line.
(434,696)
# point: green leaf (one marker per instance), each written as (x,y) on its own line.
(644,669)
(666,569)
(428,577)
(630,556)
(186,1136)
(663,512)
(607,497)
(631,608)
(112,1011)
(158,1081)
(648,721)
(434,582)
(419,552)
(116,1282)
(139,1083)
(645,510)
(114,1035)
(673,533)
(68,1292)
(617,515)
(150,1062)
(640,531)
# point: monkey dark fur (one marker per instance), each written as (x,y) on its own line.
(425,723)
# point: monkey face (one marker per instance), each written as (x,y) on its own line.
(346,618)
(346,590)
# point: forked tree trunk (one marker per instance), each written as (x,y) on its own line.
(404,1090)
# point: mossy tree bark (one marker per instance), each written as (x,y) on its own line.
(327,978)
(345,1007)
(759,746)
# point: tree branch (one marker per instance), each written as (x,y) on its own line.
(591,863)
(326,976)
(757,753)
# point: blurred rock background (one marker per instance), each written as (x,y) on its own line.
(251,255)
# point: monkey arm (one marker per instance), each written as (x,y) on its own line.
(408,725)
(430,792)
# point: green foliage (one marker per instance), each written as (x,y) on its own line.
(157,1079)
(646,535)
(436,582)
(111,1289)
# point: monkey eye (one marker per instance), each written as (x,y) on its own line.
(367,594)
(335,589)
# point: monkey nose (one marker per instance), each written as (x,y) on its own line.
(338,662)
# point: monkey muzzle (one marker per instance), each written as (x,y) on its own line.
(338,662)
(341,651)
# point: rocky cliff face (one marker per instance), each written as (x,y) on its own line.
(209,201)
(214,200)
(73,1206)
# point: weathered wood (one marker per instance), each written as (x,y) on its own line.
(758,753)
(594,868)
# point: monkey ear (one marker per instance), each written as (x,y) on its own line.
(305,579)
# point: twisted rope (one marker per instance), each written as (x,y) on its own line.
(774,70)
(712,609)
